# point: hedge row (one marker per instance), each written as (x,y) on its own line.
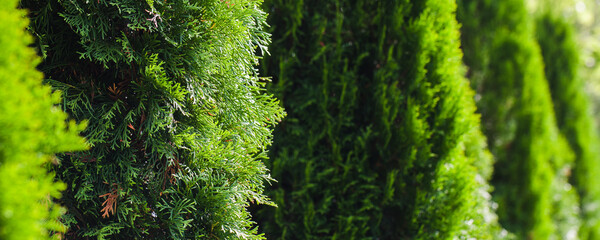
(379,119)
(381,140)
(533,159)
(573,114)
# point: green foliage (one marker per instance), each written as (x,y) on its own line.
(32,130)
(178,120)
(533,159)
(573,114)
(380,124)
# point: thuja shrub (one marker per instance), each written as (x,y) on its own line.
(32,130)
(573,114)
(533,160)
(378,119)
(177,117)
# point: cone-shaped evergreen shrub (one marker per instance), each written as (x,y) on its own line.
(178,120)
(32,129)
(378,117)
(573,115)
(533,160)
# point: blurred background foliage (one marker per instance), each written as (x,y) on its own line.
(584,15)
(381,139)
(523,60)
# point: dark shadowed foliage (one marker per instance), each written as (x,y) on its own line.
(381,139)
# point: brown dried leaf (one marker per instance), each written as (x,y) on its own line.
(110,203)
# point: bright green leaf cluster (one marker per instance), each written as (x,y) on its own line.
(32,130)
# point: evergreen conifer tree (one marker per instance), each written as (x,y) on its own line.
(378,119)
(32,130)
(573,114)
(178,119)
(533,159)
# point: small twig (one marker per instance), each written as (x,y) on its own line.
(154,17)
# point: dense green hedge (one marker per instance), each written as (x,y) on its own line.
(379,119)
(533,159)
(178,120)
(573,114)
(32,130)
(381,140)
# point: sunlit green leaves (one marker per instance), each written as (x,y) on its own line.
(32,130)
